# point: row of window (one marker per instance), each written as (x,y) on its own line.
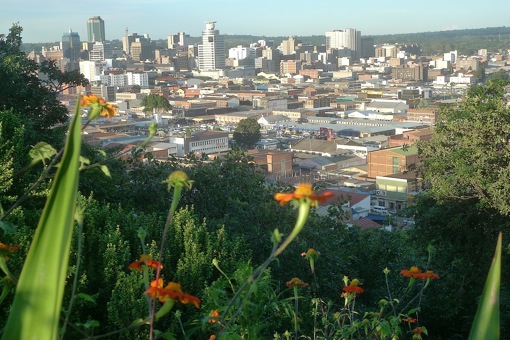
(223,141)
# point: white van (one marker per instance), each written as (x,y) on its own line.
(379,210)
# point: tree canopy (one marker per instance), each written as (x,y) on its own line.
(23,89)
(247,132)
(469,155)
(155,102)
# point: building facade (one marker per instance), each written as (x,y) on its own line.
(391,161)
(211,53)
(349,38)
(201,142)
(71,46)
(178,39)
(95,30)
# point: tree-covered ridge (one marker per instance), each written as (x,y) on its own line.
(466,41)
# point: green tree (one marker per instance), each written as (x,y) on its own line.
(466,170)
(155,102)
(23,90)
(247,132)
(501,75)
(469,154)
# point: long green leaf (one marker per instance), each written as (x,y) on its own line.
(486,323)
(35,311)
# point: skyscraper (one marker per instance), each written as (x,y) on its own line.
(340,39)
(178,39)
(211,53)
(71,46)
(95,30)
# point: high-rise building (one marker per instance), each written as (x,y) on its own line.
(340,39)
(288,46)
(100,51)
(211,53)
(95,30)
(71,46)
(178,39)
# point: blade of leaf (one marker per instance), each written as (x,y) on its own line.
(35,311)
(486,323)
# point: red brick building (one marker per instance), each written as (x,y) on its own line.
(391,161)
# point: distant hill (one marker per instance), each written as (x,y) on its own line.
(466,41)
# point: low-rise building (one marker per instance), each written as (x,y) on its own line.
(270,122)
(391,161)
(410,137)
(235,117)
(201,142)
(274,163)
(396,191)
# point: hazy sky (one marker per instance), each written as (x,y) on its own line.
(46,21)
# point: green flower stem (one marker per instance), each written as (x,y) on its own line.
(386,272)
(217,265)
(75,280)
(5,291)
(173,207)
(304,209)
(5,269)
(165,309)
(296,311)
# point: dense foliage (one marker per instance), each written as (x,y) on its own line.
(247,132)
(229,216)
(469,156)
(155,103)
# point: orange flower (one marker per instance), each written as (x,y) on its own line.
(418,330)
(147,260)
(409,319)
(417,273)
(429,274)
(353,287)
(171,291)
(212,337)
(413,272)
(303,191)
(6,249)
(214,316)
(96,103)
(295,282)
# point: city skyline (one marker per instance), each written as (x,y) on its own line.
(47,22)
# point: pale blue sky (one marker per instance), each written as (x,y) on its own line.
(46,21)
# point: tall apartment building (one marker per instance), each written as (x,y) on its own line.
(386,51)
(367,48)
(178,39)
(95,30)
(138,78)
(409,73)
(128,39)
(100,51)
(288,46)
(142,49)
(349,38)
(241,52)
(290,66)
(211,53)
(71,46)
(92,70)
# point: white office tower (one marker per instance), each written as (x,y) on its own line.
(340,39)
(211,53)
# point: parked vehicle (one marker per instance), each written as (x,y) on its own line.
(379,210)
